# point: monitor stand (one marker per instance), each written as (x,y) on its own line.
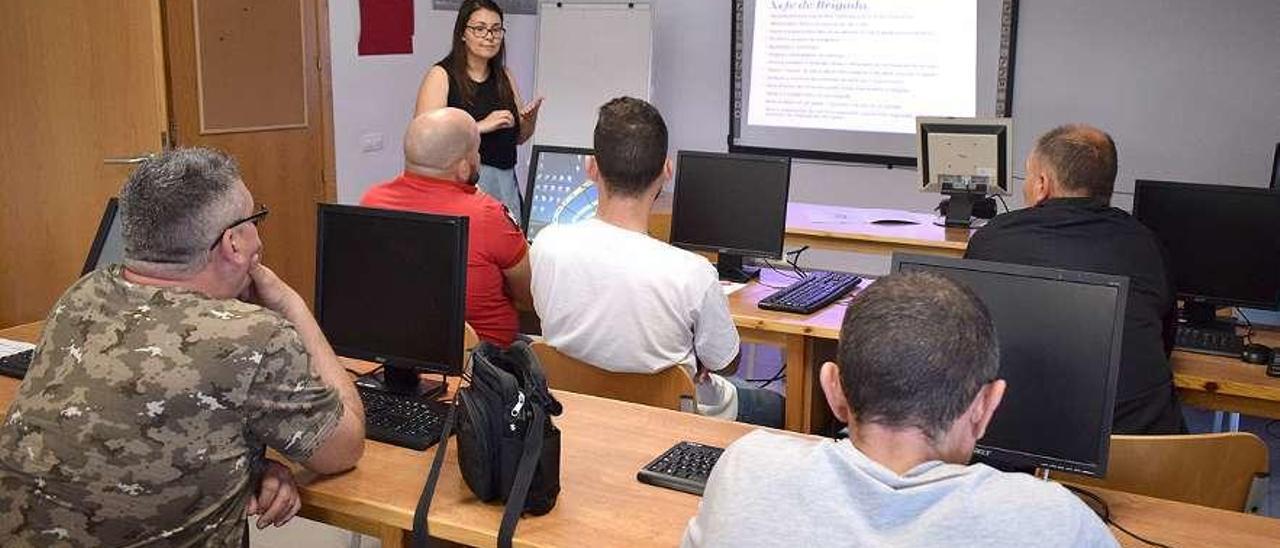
(1204,316)
(403,380)
(730,268)
(960,209)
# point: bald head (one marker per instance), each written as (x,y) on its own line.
(1081,160)
(442,144)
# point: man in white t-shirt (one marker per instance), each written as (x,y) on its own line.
(612,296)
(918,362)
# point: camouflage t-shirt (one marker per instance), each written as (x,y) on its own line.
(144,416)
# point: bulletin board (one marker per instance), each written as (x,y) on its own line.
(250,65)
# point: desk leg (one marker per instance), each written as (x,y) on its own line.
(394,537)
(390,535)
(817,413)
(798,383)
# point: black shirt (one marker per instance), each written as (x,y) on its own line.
(1086,235)
(498,147)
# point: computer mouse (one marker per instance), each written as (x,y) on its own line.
(1260,354)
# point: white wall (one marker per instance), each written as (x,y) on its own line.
(374,95)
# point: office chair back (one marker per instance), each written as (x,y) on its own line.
(1227,471)
(469,337)
(671,388)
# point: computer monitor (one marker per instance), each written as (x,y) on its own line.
(391,288)
(1223,244)
(964,158)
(1059,334)
(108,244)
(560,191)
(732,204)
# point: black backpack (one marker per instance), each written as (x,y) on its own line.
(508,448)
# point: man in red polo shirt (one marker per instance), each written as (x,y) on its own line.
(441,163)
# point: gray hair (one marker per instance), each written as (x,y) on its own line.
(1083,159)
(174,206)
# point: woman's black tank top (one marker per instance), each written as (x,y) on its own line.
(497,148)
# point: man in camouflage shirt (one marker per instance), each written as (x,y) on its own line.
(157,384)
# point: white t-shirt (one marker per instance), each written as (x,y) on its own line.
(773,489)
(626,302)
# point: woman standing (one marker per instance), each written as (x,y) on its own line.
(473,78)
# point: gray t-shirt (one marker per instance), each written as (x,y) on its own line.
(772,489)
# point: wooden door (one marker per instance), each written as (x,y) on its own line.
(80,81)
(221,52)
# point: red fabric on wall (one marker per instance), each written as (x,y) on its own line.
(386,27)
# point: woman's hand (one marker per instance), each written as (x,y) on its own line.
(530,113)
(498,119)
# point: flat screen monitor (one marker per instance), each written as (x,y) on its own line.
(559,191)
(1223,242)
(391,289)
(108,243)
(1059,334)
(732,204)
(964,158)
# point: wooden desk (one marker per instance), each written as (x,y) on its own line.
(847,229)
(604,443)
(1228,384)
(1213,382)
(807,341)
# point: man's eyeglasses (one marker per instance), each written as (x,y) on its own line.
(481,31)
(256,218)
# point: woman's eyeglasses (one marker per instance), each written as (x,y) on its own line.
(481,31)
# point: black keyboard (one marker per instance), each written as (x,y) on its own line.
(811,293)
(684,467)
(403,420)
(1209,341)
(15,365)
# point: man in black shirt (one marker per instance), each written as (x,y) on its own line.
(1069,224)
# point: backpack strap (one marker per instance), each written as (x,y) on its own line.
(524,477)
(420,528)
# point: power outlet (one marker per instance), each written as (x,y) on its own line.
(371,142)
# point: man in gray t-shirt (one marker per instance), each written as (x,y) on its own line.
(918,361)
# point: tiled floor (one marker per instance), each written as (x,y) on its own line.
(760,362)
(304,532)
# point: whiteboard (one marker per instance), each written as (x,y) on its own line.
(589,53)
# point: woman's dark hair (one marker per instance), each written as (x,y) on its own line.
(456,61)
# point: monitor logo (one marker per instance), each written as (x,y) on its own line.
(981,452)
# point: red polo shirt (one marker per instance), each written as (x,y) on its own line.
(495,244)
